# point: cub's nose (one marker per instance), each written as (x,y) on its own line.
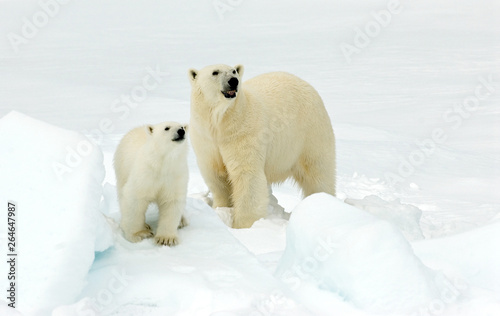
(181,132)
(233,83)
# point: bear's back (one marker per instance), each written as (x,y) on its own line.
(285,88)
(128,152)
(297,120)
(288,99)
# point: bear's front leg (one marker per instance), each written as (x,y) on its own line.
(211,166)
(250,197)
(170,219)
(221,191)
(216,178)
(133,221)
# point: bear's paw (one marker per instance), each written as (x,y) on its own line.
(167,240)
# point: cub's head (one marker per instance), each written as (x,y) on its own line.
(167,134)
(217,82)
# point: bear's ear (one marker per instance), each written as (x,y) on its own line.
(186,127)
(150,129)
(192,74)
(240,69)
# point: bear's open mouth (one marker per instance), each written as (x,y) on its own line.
(178,139)
(229,94)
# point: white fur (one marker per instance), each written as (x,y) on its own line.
(151,167)
(275,128)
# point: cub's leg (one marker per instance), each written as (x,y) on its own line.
(133,221)
(183,223)
(170,219)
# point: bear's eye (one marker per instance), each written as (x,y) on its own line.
(234,72)
(167,128)
(215,73)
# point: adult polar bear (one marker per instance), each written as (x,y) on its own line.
(248,136)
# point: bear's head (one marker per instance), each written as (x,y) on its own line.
(217,83)
(167,134)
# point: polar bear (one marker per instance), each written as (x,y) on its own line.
(151,166)
(251,135)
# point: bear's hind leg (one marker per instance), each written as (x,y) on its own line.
(315,175)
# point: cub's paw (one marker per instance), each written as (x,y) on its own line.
(183,222)
(172,240)
(140,235)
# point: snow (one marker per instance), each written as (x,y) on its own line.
(416,113)
(361,258)
(54,176)
(210,272)
(464,254)
(405,216)
(334,249)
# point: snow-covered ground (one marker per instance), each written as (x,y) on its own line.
(413,91)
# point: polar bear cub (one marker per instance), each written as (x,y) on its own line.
(247,136)
(151,166)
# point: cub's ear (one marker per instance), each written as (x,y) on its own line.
(186,127)
(240,69)
(192,75)
(149,129)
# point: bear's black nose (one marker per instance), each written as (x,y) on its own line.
(181,132)
(233,83)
